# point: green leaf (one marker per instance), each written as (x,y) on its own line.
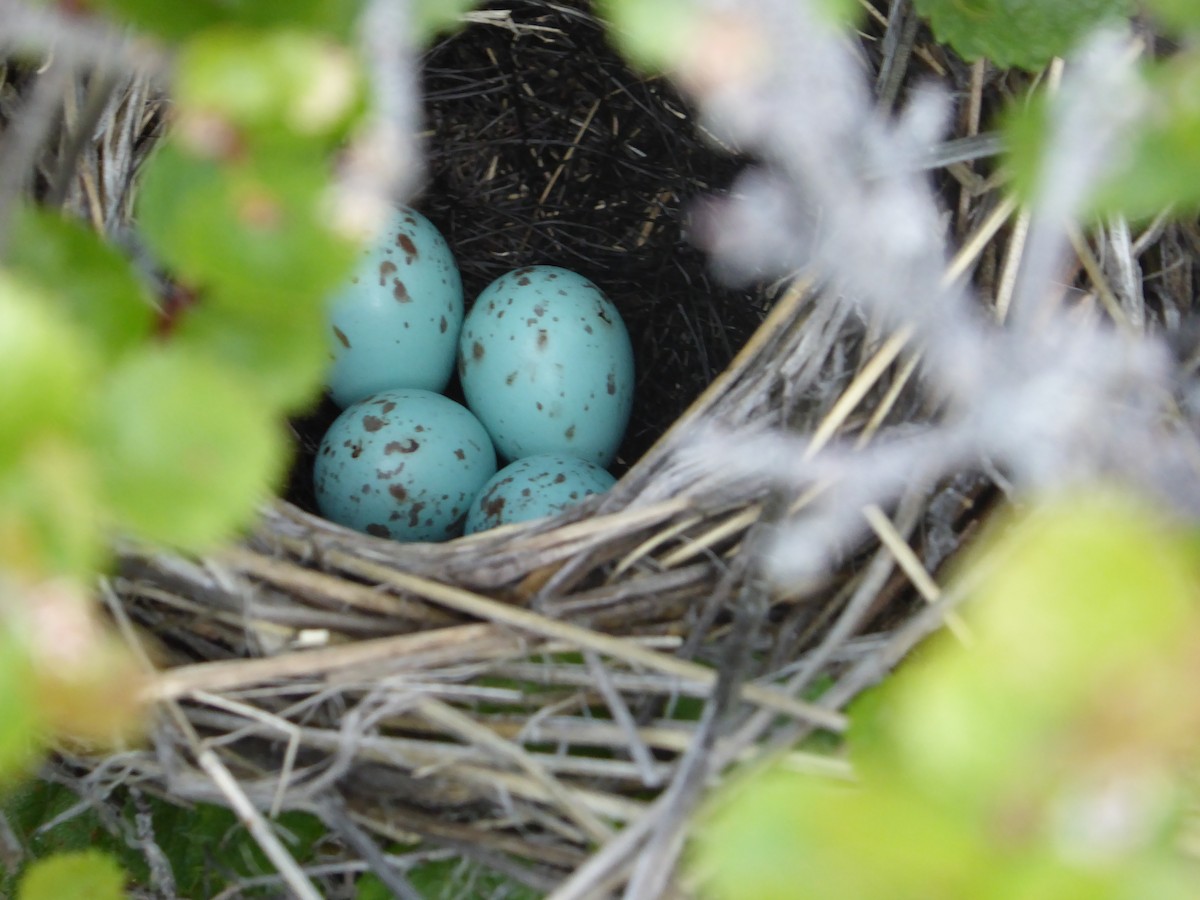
(94,284)
(50,512)
(186,452)
(1155,167)
(778,835)
(46,366)
(20,723)
(281,79)
(1023,33)
(1181,15)
(432,17)
(282,358)
(178,21)
(85,875)
(1159,168)
(253,229)
(1048,759)
(1086,594)
(652,35)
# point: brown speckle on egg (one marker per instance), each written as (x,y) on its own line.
(372,423)
(459,454)
(477,350)
(414,514)
(400,292)
(378,530)
(611,384)
(408,445)
(341,336)
(510,378)
(386,268)
(398,491)
(523,281)
(405,243)
(569,434)
(443,325)
(542,338)
(560,478)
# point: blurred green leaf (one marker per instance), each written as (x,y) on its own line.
(283,359)
(185,450)
(278,79)
(431,17)
(20,722)
(1155,166)
(780,836)
(1046,759)
(254,228)
(652,35)
(1081,597)
(84,875)
(1181,15)
(50,512)
(46,366)
(1159,167)
(91,280)
(1016,32)
(178,21)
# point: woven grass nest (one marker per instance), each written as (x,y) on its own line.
(521,696)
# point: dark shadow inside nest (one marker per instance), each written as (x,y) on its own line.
(543,147)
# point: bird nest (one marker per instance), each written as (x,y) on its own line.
(522,695)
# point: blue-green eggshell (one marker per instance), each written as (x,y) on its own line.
(403,464)
(534,487)
(547,366)
(396,324)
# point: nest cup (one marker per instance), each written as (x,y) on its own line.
(515,695)
(543,148)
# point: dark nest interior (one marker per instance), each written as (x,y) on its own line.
(521,696)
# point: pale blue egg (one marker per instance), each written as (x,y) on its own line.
(534,487)
(547,366)
(396,324)
(403,464)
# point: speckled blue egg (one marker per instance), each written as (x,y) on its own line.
(403,464)
(534,487)
(547,366)
(396,324)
